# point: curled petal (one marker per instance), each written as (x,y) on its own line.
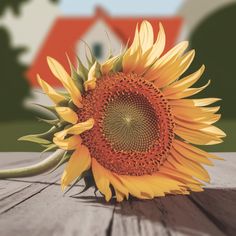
(70,143)
(76,129)
(54,96)
(67,114)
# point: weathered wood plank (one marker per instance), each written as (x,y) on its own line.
(51,213)
(223,172)
(39,200)
(171,215)
(220,206)
(15,191)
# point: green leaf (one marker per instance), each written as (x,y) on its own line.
(49,147)
(35,139)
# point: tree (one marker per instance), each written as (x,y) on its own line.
(215,42)
(13,84)
(15,5)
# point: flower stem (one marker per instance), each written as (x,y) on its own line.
(36,169)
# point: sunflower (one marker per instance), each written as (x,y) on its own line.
(127,125)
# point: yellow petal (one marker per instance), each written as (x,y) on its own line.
(190,124)
(158,46)
(187,92)
(194,102)
(132,55)
(193,170)
(175,174)
(60,73)
(184,83)
(67,114)
(70,143)
(146,36)
(165,183)
(131,61)
(54,96)
(214,130)
(166,62)
(119,196)
(133,190)
(101,180)
(136,42)
(79,162)
(76,129)
(107,66)
(197,150)
(114,180)
(191,155)
(137,186)
(90,84)
(176,70)
(196,137)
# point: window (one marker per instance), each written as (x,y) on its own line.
(97,50)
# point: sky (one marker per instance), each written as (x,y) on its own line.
(122,7)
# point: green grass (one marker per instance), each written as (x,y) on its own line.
(11,131)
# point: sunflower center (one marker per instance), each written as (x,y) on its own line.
(133,129)
(128,122)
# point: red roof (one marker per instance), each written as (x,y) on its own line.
(66,32)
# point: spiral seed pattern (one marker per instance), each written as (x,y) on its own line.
(133,129)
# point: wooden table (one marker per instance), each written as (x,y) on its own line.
(36,206)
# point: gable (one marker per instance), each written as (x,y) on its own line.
(100,38)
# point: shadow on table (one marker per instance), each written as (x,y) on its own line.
(211,212)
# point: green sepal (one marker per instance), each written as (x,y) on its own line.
(98,72)
(49,147)
(93,59)
(51,122)
(34,139)
(82,70)
(72,105)
(117,67)
(75,76)
(88,180)
(50,109)
(43,138)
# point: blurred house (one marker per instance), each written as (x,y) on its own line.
(100,32)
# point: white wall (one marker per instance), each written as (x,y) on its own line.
(100,32)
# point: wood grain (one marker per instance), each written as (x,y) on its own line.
(36,206)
